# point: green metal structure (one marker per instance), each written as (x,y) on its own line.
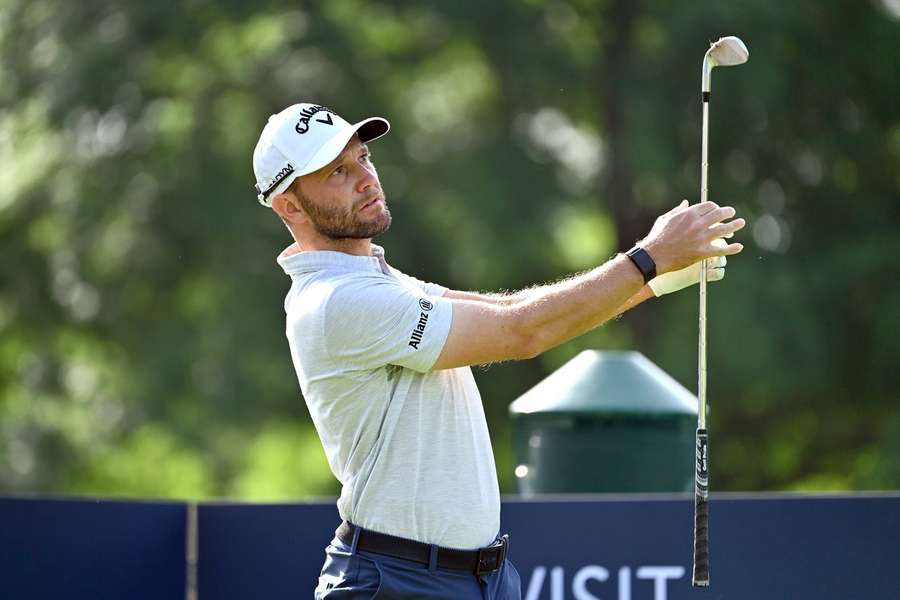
(605,422)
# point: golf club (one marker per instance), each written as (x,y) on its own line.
(726,52)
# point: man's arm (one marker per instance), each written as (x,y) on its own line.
(484,332)
(645,293)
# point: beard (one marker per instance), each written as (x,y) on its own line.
(340,224)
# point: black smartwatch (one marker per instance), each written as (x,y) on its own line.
(643,261)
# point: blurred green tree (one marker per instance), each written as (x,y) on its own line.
(141,331)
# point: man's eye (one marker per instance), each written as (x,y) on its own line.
(338,171)
(367,157)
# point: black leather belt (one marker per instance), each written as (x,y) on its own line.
(480,562)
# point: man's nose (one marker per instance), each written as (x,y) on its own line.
(368,178)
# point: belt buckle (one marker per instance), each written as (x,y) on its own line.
(490,559)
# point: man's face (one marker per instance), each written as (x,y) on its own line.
(344,199)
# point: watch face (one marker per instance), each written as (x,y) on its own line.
(644,262)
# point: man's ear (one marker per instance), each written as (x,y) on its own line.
(288,208)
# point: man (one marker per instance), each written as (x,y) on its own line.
(383,360)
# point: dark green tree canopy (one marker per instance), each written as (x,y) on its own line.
(142,345)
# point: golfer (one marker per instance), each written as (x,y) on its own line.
(383,360)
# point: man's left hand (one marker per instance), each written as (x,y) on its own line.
(678,280)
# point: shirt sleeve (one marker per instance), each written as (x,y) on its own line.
(431,289)
(376,321)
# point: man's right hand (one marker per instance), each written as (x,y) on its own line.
(685,235)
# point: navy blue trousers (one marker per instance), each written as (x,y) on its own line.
(349,574)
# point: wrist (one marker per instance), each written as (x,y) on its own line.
(643,261)
(658,255)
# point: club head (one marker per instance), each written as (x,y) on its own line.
(726,52)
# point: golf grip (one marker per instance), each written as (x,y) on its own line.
(701,513)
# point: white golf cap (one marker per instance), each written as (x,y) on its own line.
(301,139)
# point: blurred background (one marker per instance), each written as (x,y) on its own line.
(142,347)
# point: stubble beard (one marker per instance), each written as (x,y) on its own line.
(345,224)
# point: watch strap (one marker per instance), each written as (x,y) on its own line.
(643,261)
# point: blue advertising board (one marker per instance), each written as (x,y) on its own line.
(565,548)
(262,551)
(98,550)
(779,548)
(587,548)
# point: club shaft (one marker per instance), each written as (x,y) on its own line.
(701,354)
(700,576)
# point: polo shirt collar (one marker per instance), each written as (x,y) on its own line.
(318,260)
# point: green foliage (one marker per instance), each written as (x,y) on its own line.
(284,461)
(150,463)
(141,326)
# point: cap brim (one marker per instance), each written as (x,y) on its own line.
(372,128)
(368,130)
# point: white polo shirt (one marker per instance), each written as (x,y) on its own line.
(409,445)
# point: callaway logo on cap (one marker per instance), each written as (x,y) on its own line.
(301,139)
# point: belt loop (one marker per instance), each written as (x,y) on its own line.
(355,542)
(433,559)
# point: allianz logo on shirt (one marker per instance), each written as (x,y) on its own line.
(416,337)
(659,575)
